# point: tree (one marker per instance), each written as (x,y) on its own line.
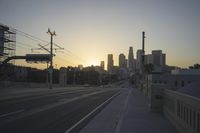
(195,66)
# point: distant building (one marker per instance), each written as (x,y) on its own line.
(80,67)
(10,72)
(110,63)
(139,60)
(131,62)
(63,76)
(21,73)
(185,72)
(122,66)
(122,61)
(157,59)
(102,65)
(134,64)
(98,69)
(148,59)
(115,70)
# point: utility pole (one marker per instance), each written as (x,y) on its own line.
(143,51)
(50,51)
(51,57)
(47,76)
(143,56)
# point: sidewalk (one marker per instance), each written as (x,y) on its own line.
(129,113)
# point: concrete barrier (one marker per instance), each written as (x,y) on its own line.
(182,110)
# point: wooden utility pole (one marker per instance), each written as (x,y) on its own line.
(51,57)
(143,51)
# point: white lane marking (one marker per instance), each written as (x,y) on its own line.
(44,108)
(94,110)
(12,113)
(122,113)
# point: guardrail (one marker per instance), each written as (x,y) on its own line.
(182,110)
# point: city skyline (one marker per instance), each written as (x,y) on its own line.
(93,29)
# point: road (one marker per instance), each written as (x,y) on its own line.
(53,111)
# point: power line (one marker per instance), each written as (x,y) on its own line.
(24,44)
(37,39)
(31,36)
(61,58)
(74,55)
(34,38)
(21,47)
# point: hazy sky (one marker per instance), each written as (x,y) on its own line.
(91,29)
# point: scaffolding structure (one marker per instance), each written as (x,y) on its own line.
(7,42)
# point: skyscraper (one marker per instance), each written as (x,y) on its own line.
(130,63)
(158,58)
(139,60)
(122,61)
(110,63)
(102,65)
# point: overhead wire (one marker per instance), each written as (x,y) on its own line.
(69,53)
(37,39)
(21,47)
(31,36)
(24,44)
(65,60)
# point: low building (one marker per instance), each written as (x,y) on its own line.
(20,73)
(63,76)
(174,81)
(185,72)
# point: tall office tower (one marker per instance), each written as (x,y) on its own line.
(102,65)
(163,59)
(110,63)
(139,60)
(130,63)
(122,61)
(158,58)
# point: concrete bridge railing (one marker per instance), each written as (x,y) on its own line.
(182,110)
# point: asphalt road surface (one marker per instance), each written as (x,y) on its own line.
(53,112)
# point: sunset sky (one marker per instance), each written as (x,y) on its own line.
(88,30)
